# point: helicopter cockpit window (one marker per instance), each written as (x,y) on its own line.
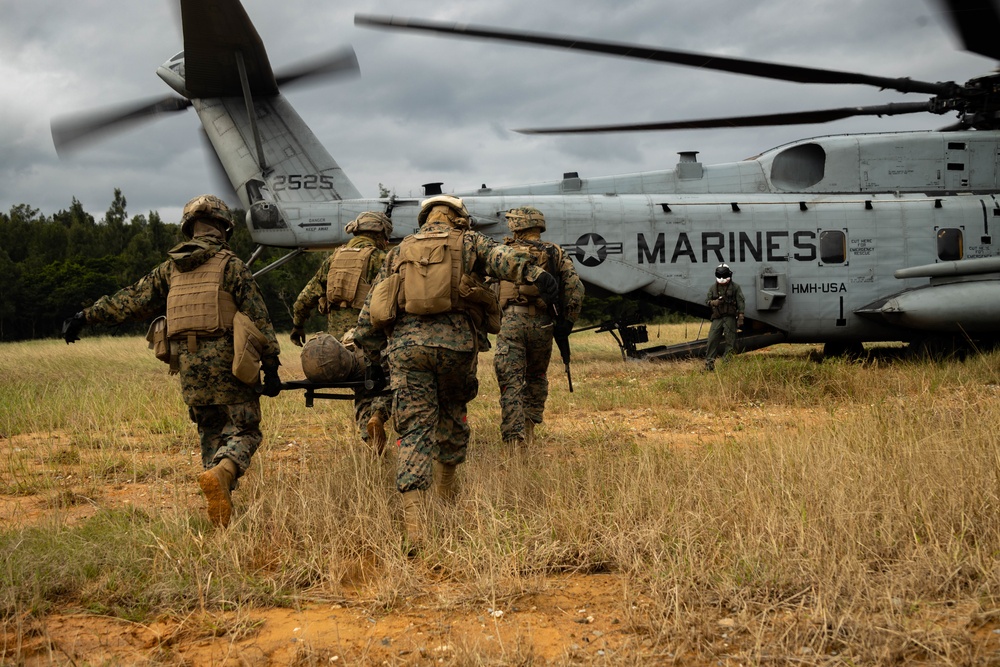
(832,247)
(950,245)
(799,167)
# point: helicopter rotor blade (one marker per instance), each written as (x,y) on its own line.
(793,118)
(977,23)
(756,68)
(69,132)
(341,62)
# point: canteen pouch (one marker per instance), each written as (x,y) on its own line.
(156,335)
(248,343)
(480,295)
(382,307)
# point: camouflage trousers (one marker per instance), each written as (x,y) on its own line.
(431,387)
(521,362)
(228,431)
(721,338)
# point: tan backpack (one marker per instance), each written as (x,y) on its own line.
(430,268)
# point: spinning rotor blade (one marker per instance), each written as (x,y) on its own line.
(336,63)
(70,131)
(704,61)
(977,23)
(794,118)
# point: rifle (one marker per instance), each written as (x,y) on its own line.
(562,342)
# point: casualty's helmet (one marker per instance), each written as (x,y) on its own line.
(205,207)
(452,202)
(723,274)
(525,217)
(326,359)
(370,221)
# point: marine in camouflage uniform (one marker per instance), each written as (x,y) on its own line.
(524,344)
(225,409)
(432,356)
(371,229)
(727,303)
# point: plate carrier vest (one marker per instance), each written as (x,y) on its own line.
(346,286)
(197,306)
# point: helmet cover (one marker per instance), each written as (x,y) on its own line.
(205,207)
(525,217)
(370,221)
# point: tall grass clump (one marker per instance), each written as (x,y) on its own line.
(827,536)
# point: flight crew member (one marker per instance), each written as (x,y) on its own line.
(203,287)
(726,300)
(524,344)
(338,290)
(425,312)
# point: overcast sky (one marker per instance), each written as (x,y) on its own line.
(441,109)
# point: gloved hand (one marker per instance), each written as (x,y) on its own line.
(71,327)
(298,336)
(715,302)
(272,383)
(548,288)
(562,328)
(739,320)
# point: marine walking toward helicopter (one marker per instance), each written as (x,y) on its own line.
(529,325)
(725,298)
(426,313)
(216,335)
(338,290)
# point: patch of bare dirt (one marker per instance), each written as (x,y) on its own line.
(576,618)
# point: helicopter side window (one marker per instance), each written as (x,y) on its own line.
(832,247)
(950,245)
(799,167)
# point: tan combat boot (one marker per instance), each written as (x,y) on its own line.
(444,481)
(376,433)
(529,432)
(215,483)
(413,522)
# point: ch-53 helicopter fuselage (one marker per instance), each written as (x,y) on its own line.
(837,239)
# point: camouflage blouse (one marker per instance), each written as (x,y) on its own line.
(206,374)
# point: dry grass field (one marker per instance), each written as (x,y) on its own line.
(784,510)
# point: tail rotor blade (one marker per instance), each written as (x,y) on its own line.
(69,132)
(342,62)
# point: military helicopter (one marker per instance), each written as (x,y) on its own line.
(840,240)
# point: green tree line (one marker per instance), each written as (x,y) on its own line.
(53,266)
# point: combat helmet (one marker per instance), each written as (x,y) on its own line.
(205,207)
(370,221)
(326,359)
(723,274)
(452,202)
(525,217)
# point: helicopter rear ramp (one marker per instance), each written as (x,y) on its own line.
(696,348)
